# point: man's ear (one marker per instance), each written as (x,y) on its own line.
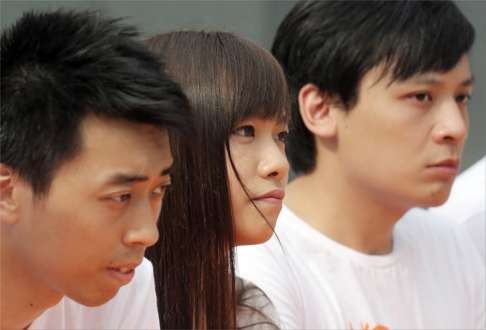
(315,109)
(8,204)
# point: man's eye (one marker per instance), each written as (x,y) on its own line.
(160,190)
(122,198)
(245,131)
(463,98)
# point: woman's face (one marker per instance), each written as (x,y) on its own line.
(257,149)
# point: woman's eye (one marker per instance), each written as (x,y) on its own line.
(245,131)
(463,98)
(282,136)
(422,97)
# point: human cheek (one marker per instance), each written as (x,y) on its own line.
(242,156)
(89,235)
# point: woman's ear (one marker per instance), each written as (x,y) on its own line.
(8,204)
(315,109)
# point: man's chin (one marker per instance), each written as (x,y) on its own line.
(434,201)
(93,300)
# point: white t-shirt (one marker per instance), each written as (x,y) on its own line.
(433,279)
(133,307)
(476,227)
(467,204)
(468,196)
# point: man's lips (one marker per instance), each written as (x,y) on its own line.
(126,266)
(123,273)
(446,168)
(451,163)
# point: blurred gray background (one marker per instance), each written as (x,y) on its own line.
(258,21)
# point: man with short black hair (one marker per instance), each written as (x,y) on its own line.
(86,116)
(380,92)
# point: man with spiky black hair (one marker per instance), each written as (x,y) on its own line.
(86,117)
(380,91)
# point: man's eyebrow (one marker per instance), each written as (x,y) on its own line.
(468,82)
(433,81)
(123,178)
(166,171)
(127,178)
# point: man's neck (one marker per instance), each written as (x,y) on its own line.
(343,212)
(22,298)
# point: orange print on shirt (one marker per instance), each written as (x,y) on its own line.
(365,326)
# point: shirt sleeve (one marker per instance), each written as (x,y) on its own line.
(254,309)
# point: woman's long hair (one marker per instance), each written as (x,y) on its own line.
(226,79)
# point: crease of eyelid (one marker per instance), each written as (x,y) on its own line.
(110,195)
(466,97)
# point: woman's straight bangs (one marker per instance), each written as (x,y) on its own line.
(256,85)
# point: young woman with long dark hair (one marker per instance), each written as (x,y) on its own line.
(228,186)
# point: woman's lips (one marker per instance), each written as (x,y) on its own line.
(274,197)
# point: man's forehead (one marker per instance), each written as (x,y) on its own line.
(121,144)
